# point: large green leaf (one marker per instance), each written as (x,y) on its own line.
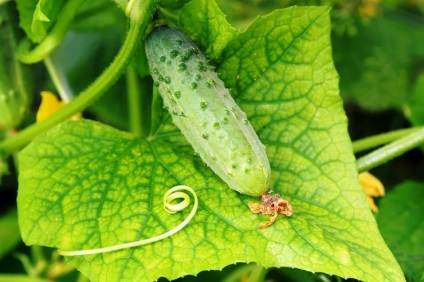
(84,185)
(401,221)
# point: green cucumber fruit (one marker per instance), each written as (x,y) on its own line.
(203,109)
(15,77)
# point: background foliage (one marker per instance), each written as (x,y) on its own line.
(378,55)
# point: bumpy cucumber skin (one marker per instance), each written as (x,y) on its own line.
(203,109)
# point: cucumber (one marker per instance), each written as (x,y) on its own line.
(15,77)
(203,109)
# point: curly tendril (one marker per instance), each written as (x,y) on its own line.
(172,194)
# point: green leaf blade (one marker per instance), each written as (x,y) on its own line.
(88,213)
(401,221)
(212,31)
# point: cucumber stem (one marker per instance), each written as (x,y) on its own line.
(133,94)
(245,273)
(258,274)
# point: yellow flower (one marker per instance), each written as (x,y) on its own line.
(368,8)
(49,105)
(373,188)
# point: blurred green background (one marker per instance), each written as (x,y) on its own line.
(378,49)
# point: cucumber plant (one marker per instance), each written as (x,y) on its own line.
(214,125)
(96,193)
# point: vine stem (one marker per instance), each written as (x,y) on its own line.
(250,272)
(139,18)
(172,194)
(133,94)
(381,139)
(53,39)
(20,278)
(59,79)
(156,113)
(258,274)
(390,151)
